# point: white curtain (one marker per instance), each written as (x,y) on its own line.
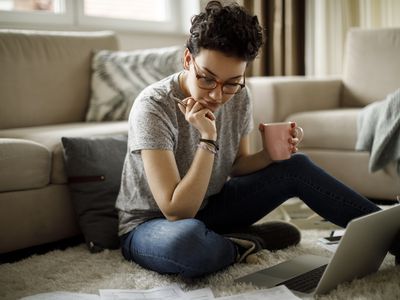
(327,22)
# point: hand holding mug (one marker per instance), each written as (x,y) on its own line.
(280,140)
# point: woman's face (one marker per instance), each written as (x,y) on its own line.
(206,69)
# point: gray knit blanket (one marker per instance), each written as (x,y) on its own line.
(379,132)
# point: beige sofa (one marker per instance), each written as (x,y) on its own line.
(45,92)
(328,108)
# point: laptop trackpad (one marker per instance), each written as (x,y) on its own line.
(260,279)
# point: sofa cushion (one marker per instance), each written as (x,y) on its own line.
(94,167)
(119,76)
(45,75)
(50,136)
(23,165)
(328,129)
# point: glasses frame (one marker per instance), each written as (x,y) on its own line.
(217,82)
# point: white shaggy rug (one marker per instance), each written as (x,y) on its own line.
(76,270)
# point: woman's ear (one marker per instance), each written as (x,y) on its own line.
(187,57)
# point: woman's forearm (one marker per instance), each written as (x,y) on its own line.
(247,164)
(189,193)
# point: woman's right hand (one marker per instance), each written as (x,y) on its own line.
(200,117)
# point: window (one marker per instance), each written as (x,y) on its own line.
(52,6)
(157,15)
(35,11)
(149,10)
(130,15)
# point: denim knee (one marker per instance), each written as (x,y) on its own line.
(184,247)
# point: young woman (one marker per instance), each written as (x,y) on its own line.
(190,188)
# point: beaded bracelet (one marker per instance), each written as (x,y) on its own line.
(207,147)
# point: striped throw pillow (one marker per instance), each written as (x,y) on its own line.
(119,76)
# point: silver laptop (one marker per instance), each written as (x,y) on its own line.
(360,252)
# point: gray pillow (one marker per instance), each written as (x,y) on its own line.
(94,166)
(119,76)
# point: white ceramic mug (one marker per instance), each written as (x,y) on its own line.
(277,139)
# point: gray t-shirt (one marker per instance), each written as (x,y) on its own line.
(155,122)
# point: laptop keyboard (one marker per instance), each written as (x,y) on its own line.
(305,282)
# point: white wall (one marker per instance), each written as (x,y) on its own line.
(127,40)
(131,41)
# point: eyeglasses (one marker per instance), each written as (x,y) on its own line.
(208,83)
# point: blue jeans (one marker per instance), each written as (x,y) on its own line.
(196,247)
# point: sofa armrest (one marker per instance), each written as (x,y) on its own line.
(276,98)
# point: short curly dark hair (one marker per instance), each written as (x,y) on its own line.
(229,29)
